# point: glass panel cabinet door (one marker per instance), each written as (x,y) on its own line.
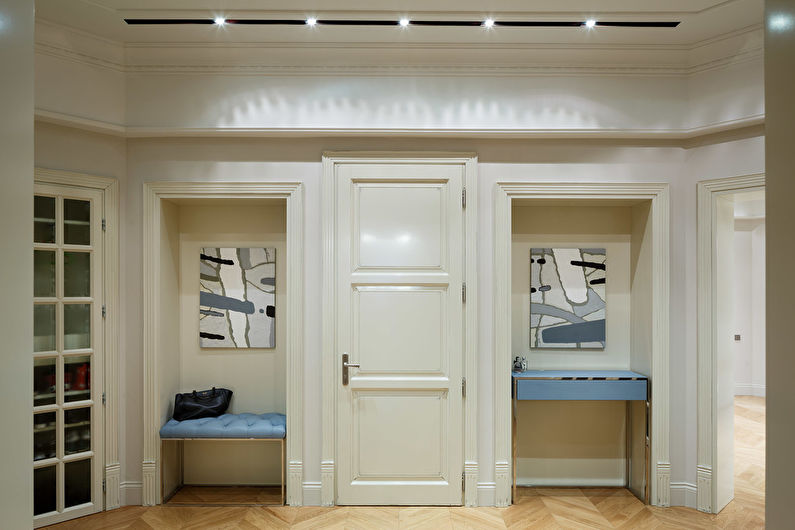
(67,353)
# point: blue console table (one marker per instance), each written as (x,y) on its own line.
(590,385)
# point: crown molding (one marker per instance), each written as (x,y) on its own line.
(686,135)
(78,122)
(462,12)
(401,59)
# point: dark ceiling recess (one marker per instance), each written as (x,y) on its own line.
(435,23)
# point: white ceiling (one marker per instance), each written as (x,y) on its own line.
(750,204)
(700,20)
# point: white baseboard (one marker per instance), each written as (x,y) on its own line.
(684,494)
(487,493)
(749,389)
(131,493)
(573,482)
(312,496)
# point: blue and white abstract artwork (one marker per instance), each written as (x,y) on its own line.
(237,298)
(567,298)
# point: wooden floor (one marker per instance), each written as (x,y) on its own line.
(228,495)
(535,507)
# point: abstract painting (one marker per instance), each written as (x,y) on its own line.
(237,298)
(567,298)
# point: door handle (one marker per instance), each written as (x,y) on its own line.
(345,366)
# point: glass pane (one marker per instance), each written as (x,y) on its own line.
(77,478)
(44,327)
(44,273)
(43,490)
(76,222)
(76,274)
(77,426)
(77,378)
(76,326)
(44,219)
(44,435)
(43,382)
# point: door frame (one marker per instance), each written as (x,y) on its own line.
(293,193)
(504,192)
(109,187)
(709,191)
(468,161)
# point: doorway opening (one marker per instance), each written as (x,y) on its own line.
(731,343)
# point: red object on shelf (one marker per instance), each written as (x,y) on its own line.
(80,380)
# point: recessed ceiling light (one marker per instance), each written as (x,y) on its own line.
(780,22)
(590,23)
(404,22)
(488,23)
(311,21)
(220,21)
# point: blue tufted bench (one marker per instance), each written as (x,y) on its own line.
(269,427)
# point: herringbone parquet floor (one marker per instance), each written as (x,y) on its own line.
(535,507)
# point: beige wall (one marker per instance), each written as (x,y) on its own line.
(298,159)
(749,307)
(780,217)
(16,281)
(559,442)
(256,376)
(573,226)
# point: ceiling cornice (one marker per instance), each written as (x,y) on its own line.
(683,134)
(475,14)
(367,59)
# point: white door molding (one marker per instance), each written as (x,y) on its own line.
(658,194)
(110,192)
(292,192)
(709,191)
(329,365)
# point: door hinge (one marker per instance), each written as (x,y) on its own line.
(464,292)
(103,398)
(104,311)
(463,387)
(104,225)
(103,485)
(464,197)
(463,481)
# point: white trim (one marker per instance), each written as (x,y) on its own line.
(131,492)
(330,377)
(115,129)
(504,192)
(312,493)
(579,482)
(684,494)
(486,493)
(153,192)
(708,193)
(110,190)
(436,59)
(750,389)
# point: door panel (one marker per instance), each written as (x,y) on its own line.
(401,225)
(400,268)
(386,422)
(399,329)
(67,353)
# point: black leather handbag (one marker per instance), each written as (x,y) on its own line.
(202,404)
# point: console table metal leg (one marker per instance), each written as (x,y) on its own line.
(647,468)
(628,444)
(513,443)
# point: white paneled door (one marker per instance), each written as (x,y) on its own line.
(400,252)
